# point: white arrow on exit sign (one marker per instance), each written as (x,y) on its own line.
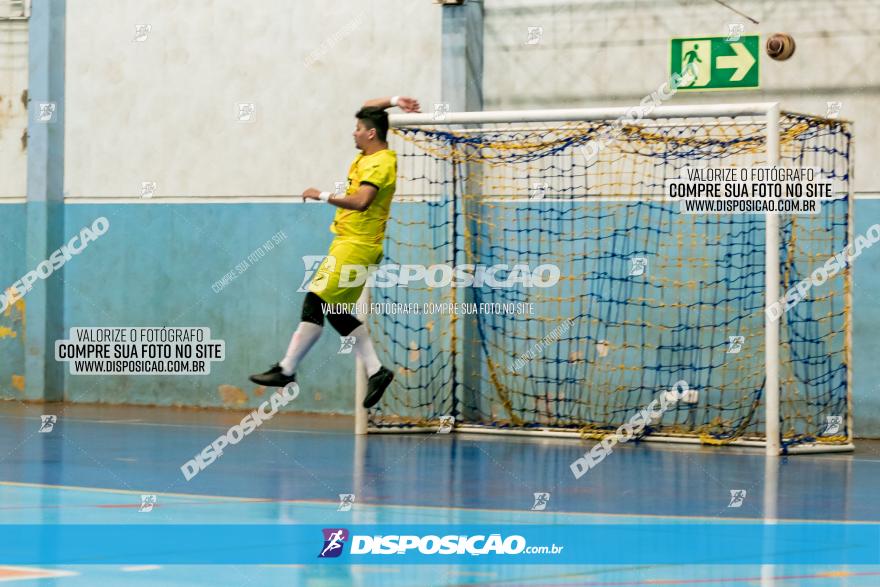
(742,61)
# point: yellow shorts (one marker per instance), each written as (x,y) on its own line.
(344,253)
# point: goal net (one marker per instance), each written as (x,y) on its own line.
(646,296)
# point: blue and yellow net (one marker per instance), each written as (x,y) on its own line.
(647,296)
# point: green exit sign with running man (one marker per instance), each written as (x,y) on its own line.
(718,63)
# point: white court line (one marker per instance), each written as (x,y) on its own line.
(235,199)
(465,436)
(139,568)
(441,509)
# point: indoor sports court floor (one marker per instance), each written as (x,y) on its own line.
(98,461)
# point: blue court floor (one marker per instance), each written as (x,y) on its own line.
(97,463)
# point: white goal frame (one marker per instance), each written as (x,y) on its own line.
(771,112)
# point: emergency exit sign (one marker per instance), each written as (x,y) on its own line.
(720,63)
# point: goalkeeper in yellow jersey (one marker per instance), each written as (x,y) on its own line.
(359,226)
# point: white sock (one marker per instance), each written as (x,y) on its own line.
(306,334)
(363,347)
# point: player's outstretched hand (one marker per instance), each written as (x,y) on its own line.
(408,104)
(311,194)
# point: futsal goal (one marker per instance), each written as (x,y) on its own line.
(645,297)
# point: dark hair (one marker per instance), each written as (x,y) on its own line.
(374,117)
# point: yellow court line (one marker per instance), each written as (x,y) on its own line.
(431,507)
(132,491)
(189,426)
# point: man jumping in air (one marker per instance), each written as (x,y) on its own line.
(359,226)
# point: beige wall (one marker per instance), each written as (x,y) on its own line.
(613,53)
(13,111)
(165,109)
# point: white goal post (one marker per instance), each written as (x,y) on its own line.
(463,194)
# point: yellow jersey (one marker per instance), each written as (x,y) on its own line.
(380,171)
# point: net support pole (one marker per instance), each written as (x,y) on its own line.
(44,377)
(461,80)
(360,372)
(771,325)
(770,516)
(461,67)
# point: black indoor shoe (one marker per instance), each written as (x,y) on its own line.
(273,377)
(377,385)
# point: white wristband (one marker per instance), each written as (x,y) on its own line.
(324,196)
(394,100)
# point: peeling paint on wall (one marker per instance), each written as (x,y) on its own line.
(12,322)
(231,395)
(14,317)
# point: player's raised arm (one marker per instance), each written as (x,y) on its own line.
(375,169)
(359,201)
(405,103)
